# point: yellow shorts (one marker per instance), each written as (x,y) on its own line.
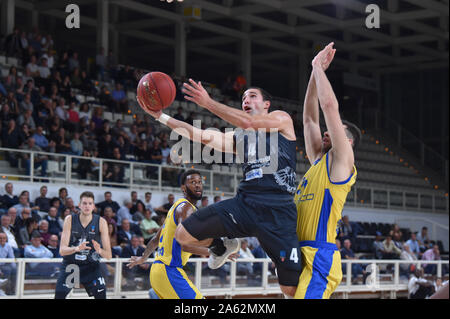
(321,270)
(172,283)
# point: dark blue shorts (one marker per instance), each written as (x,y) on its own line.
(273,224)
(90,277)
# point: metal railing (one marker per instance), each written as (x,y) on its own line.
(233,283)
(61,169)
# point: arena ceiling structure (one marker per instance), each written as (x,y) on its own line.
(262,38)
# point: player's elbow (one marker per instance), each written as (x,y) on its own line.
(247,123)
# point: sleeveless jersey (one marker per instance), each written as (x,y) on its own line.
(169,250)
(320,202)
(78,235)
(268,165)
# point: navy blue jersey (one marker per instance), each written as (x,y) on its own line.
(78,235)
(268,164)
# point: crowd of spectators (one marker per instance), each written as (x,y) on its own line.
(39,111)
(32,228)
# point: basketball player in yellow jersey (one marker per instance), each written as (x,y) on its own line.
(323,190)
(167,277)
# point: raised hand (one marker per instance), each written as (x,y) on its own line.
(196,93)
(324,58)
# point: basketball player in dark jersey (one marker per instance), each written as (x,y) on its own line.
(84,241)
(263,207)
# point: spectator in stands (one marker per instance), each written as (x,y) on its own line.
(108,202)
(9,199)
(26,104)
(54,227)
(63,193)
(390,250)
(413,244)
(397,240)
(125,233)
(396,230)
(27,118)
(148,226)
(217,199)
(431,254)
(84,114)
(37,250)
(139,213)
(56,202)
(164,209)
(24,235)
(43,230)
(419,287)
(73,62)
(24,203)
(143,270)
(407,254)
(69,204)
(75,78)
(12,213)
(33,67)
(43,69)
(39,160)
(53,246)
(345,230)
(61,111)
(357,269)
(134,201)
(43,202)
(124,212)
(7,270)
(423,239)
(76,146)
(147,203)
(227,87)
(120,101)
(204,202)
(109,216)
(245,268)
(6,227)
(63,64)
(40,139)
(377,246)
(65,88)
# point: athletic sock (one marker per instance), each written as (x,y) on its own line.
(217,247)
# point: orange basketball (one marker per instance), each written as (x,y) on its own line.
(157,90)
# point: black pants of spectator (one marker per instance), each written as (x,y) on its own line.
(422,293)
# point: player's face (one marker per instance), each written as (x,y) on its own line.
(87,205)
(252,102)
(194,186)
(326,141)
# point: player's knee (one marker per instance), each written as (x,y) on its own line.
(288,290)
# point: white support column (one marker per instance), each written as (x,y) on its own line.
(246,54)
(103,24)
(7,16)
(180,48)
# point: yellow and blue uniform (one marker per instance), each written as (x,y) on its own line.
(319,206)
(167,277)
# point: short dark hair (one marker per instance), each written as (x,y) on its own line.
(265,95)
(353,132)
(187,173)
(87,194)
(204,197)
(108,192)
